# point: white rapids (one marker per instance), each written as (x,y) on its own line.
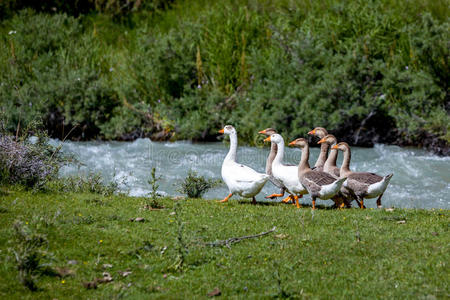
(421,179)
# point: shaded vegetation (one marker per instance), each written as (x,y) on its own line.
(371,71)
(329,254)
(28,160)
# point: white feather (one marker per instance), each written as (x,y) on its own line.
(240,179)
(376,189)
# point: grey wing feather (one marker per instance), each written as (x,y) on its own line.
(365,177)
(320,178)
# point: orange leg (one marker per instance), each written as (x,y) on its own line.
(297,202)
(226,198)
(274,196)
(287,199)
(313,203)
(362,203)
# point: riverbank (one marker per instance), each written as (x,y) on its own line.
(368,71)
(399,253)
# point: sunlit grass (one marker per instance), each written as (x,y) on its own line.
(325,254)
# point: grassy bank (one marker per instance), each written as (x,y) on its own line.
(368,70)
(331,254)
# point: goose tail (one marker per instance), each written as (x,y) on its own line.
(386,180)
(338,183)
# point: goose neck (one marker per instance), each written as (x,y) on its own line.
(280,153)
(332,158)
(233,148)
(345,168)
(271,157)
(322,155)
(303,166)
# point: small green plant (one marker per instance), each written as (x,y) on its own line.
(28,254)
(182,250)
(195,186)
(153,202)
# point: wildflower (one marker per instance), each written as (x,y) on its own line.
(101,241)
(111,69)
(406,68)
(12,32)
(199,86)
(63,281)
(159,100)
(26,223)
(79,215)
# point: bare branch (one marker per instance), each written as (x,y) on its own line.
(234,240)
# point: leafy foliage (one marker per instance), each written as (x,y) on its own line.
(195,186)
(185,71)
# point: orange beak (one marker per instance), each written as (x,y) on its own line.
(292,143)
(220,131)
(262,131)
(321,141)
(312,132)
(267,140)
(335,147)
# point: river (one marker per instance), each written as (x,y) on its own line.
(421,179)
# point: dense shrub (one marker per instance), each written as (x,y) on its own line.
(370,68)
(26,161)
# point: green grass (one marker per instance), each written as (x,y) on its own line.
(307,256)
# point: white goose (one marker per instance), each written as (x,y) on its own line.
(240,179)
(287,175)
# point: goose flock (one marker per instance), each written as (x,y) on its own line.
(324,181)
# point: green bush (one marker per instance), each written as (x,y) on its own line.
(185,71)
(195,186)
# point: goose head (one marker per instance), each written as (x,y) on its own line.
(329,139)
(275,138)
(343,146)
(300,142)
(320,132)
(228,129)
(268,131)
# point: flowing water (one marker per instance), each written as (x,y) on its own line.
(421,180)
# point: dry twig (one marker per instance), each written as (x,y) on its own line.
(234,240)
